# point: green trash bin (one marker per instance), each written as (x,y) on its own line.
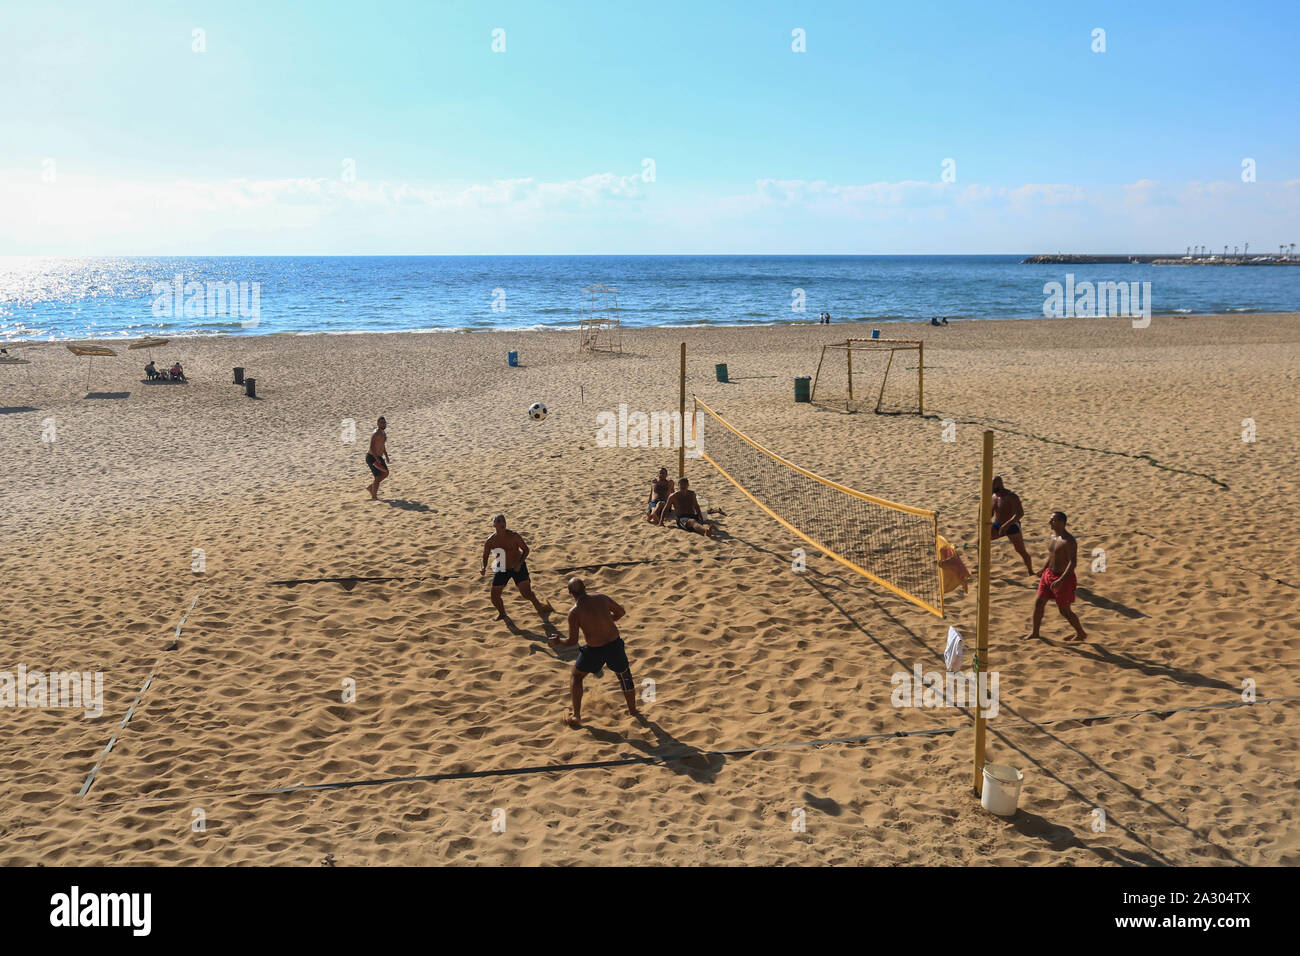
(722,372)
(803,388)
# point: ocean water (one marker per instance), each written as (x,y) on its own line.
(133,297)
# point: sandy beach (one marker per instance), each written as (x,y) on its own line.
(115,492)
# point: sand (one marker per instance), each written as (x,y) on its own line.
(101,528)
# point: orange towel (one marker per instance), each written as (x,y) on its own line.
(952,571)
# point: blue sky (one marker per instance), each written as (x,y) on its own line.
(119,138)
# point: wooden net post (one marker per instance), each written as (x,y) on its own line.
(849,351)
(681,449)
(982,620)
(920,379)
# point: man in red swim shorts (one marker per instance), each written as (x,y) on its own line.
(1057,581)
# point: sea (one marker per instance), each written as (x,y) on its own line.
(134,297)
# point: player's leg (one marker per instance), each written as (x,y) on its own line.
(1018,542)
(618,663)
(497,602)
(575,696)
(1073,618)
(1039,605)
(526,589)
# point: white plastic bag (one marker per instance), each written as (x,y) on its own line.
(955,651)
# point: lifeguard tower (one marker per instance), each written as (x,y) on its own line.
(600,325)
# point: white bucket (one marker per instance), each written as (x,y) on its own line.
(1001,791)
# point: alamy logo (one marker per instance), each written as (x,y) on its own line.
(208,300)
(54,689)
(1088,300)
(947,689)
(648,430)
(103,909)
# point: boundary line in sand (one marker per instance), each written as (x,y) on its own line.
(130,711)
(370,579)
(674,758)
(1140,456)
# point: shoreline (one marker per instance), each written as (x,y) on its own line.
(639,329)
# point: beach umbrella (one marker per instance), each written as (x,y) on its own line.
(148,343)
(90,351)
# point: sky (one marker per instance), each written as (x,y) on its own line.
(378,128)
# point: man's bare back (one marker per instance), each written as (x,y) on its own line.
(594,615)
(512,543)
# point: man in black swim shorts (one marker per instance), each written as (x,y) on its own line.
(507,551)
(594,615)
(687,509)
(377,457)
(1007,512)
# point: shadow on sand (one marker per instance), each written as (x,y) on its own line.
(407,505)
(1107,604)
(680,758)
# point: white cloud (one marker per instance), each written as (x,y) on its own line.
(607,212)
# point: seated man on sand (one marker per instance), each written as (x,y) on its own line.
(660,489)
(687,509)
(151,370)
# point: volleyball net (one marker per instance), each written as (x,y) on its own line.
(891,544)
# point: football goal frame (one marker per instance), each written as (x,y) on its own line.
(875,346)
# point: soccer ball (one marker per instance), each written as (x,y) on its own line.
(537,411)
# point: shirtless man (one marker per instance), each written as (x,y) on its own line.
(687,509)
(507,549)
(1057,581)
(377,457)
(594,615)
(1007,512)
(660,489)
